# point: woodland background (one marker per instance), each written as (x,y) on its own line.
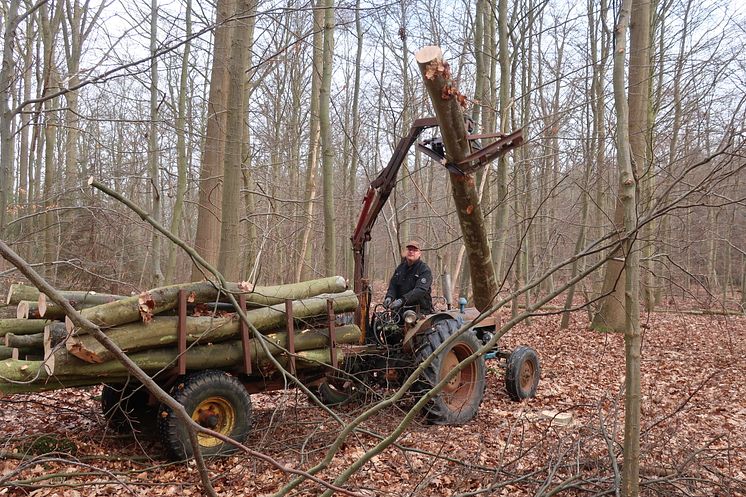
(119,91)
(268,183)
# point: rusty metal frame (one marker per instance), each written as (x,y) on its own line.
(245,338)
(181,332)
(332,331)
(291,333)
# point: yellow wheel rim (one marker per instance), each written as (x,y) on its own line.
(217,414)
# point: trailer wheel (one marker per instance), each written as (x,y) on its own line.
(125,407)
(459,400)
(522,373)
(213,399)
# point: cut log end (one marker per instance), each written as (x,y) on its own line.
(42,302)
(22,310)
(428,53)
(90,180)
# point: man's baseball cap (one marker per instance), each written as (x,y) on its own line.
(413,243)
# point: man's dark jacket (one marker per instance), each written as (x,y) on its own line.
(412,284)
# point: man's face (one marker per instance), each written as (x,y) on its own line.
(412,254)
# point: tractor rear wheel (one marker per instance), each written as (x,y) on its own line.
(522,373)
(215,400)
(459,400)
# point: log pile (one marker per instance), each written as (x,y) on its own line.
(45,351)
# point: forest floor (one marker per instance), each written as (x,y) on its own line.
(693,431)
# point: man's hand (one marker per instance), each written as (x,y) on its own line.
(387,302)
(396,304)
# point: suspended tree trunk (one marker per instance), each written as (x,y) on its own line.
(181,148)
(327,141)
(229,260)
(154,183)
(207,238)
(436,75)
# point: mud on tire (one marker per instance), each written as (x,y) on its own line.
(213,399)
(459,400)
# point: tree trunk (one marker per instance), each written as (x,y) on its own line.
(205,330)
(501,212)
(154,180)
(49,29)
(352,181)
(181,148)
(314,133)
(162,299)
(22,326)
(450,116)
(639,65)
(229,259)
(6,117)
(69,371)
(18,292)
(330,253)
(207,238)
(34,340)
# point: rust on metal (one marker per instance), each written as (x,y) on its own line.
(245,339)
(332,331)
(492,151)
(291,333)
(181,331)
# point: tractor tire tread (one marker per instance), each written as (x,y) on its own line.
(203,383)
(437,411)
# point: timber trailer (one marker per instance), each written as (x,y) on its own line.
(392,344)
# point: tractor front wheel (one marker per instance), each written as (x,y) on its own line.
(459,400)
(522,373)
(215,400)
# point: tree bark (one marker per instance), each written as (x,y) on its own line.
(314,135)
(163,299)
(330,253)
(18,292)
(229,260)
(639,11)
(443,95)
(69,371)
(154,177)
(22,326)
(207,239)
(6,117)
(501,212)
(161,331)
(181,148)
(35,340)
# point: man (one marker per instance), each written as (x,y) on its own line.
(411,283)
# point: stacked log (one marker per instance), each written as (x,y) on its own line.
(145,327)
